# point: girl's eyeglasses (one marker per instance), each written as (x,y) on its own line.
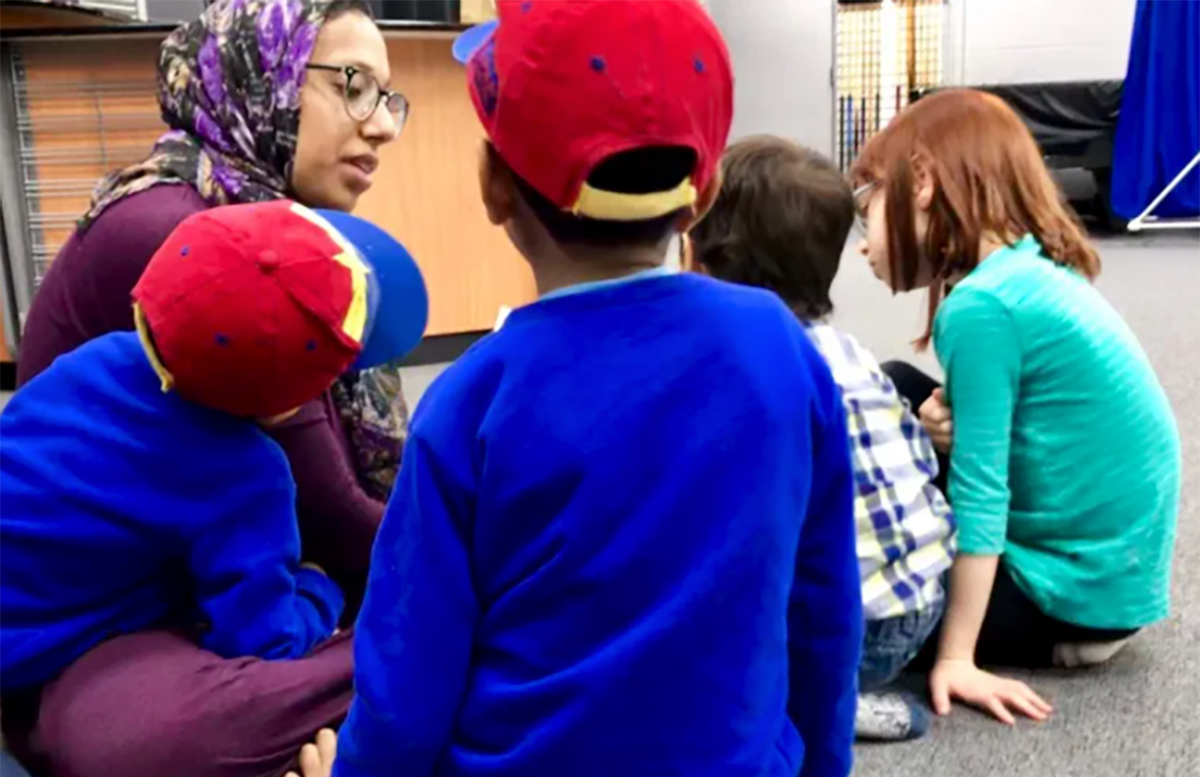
(362,94)
(860,208)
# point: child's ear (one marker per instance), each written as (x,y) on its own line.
(703,205)
(496,186)
(922,186)
(687,256)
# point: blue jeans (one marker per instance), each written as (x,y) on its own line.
(9,767)
(890,644)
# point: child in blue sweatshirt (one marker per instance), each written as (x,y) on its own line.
(139,490)
(622,539)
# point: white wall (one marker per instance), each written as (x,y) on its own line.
(783,51)
(782,54)
(1024,41)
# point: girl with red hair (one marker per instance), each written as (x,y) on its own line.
(1064,457)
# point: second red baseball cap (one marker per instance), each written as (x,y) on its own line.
(562,85)
(256,309)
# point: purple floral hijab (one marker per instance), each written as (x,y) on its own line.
(229,87)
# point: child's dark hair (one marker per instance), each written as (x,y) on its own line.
(779,223)
(639,171)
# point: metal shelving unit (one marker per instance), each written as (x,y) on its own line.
(886,52)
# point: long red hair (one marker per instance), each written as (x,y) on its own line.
(988,180)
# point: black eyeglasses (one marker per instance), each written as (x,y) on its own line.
(362,94)
(860,208)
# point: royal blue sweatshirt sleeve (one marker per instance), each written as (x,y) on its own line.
(255,597)
(825,622)
(412,644)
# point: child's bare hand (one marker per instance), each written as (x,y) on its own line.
(937,420)
(953,679)
(316,760)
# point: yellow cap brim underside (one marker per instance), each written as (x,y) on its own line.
(603,205)
(143,331)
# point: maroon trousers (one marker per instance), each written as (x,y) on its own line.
(154,704)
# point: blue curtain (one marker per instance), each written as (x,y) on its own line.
(1158,132)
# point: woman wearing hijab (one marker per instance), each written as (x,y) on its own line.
(266,99)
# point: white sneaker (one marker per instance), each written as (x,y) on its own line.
(1076,654)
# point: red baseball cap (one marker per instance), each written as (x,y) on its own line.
(256,309)
(562,85)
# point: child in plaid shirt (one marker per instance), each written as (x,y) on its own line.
(781,223)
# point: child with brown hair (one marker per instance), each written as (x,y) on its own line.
(781,223)
(1064,454)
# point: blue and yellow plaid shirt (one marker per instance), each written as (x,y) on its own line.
(905,526)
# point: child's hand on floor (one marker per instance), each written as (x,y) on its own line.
(937,420)
(958,679)
(316,760)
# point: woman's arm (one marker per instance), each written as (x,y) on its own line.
(86,291)
(338,520)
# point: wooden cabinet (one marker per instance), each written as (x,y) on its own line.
(35,15)
(427,194)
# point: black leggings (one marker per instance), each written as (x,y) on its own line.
(1015,631)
